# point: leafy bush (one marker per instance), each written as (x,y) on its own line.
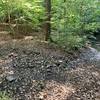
(22,11)
(69,41)
(77,17)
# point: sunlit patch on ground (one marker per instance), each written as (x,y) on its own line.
(56,91)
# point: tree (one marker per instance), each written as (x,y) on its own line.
(48,19)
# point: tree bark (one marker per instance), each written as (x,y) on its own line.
(48,19)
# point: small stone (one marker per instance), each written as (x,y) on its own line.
(33,81)
(12,55)
(98,82)
(49,66)
(60,61)
(42,66)
(28,38)
(10,78)
(78,98)
(41,97)
(10,72)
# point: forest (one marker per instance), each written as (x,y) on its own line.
(49,49)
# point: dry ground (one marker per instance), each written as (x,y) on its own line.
(34,70)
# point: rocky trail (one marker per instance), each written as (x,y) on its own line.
(39,71)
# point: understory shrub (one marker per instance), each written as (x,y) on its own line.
(69,41)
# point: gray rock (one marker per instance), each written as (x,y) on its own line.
(97,56)
(10,78)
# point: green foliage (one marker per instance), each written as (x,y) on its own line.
(69,41)
(74,16)
(71,16)
(4,96)
(22,11)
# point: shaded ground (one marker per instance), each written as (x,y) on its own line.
(40,71)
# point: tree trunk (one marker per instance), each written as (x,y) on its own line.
(64,18)
(48,19)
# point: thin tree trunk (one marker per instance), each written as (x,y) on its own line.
(64,17)
(48,19)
